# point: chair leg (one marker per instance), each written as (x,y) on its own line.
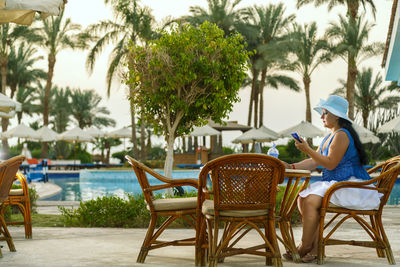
(147,240)
(321,246)
(380,252)
(6,234)
(388,249)
(28,221)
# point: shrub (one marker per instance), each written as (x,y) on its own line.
(112,211)
(108,211)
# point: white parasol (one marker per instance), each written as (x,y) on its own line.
(21,131)
(124,132)
(304,129)
(95,132)
(262,134)
(75,135)
(23,11)
(205,130)
(8,107)
(390,126)
(46,134)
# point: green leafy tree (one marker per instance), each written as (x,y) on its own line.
(350,37)
(266,29)
(57,35)
(185,78)
(370,95)
(86,111)
(132,23)
(310,52)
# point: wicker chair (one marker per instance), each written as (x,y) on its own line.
(20,198)
(243,197)
(384,184)
(8,170)
(173,208)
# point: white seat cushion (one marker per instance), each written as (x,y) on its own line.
(208,209)
(174,203)
(16,192)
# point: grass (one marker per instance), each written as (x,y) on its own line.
(41,220)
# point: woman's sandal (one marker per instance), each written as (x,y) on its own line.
(308,258)
(288,256)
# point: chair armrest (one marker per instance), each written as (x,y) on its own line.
(24,183)
(174,183)
(376,168)
(347,184)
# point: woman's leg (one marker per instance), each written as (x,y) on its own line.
(309,208)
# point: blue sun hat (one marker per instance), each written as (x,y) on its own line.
(336,105)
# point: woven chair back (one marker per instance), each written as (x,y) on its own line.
(244,181)
(8,170)
(388,177)
(140,170)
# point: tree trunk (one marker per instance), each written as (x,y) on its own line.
(352,8)
(307,81)
(142,140)
(252,94)
(351,80)
(261,108)
(148,145)
(259,96)
(365,118)
(134,138)
(50,72)
(169,161)
(4,121)
(184,148)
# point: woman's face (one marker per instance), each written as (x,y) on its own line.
(329,119)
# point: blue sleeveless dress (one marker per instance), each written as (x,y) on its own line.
(349,166)
(348,169)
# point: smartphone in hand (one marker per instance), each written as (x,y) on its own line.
(296,136)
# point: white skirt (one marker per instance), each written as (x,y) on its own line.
(351,198)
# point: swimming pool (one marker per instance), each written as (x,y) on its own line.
(92,184)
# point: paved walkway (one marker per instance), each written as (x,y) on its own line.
(68,247)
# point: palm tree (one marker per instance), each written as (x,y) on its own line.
(220,12)
(86,111)
(25,95)
(265,32)
(310,52)
(60,114)
(354,19)
(352,5)
(39,97)
(20,67)
(350,38)
(9,34)
(57,35)
(370,95)
(132,24)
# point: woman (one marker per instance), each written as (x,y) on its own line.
(341,155)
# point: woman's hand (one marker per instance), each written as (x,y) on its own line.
(287,165)
(303,146)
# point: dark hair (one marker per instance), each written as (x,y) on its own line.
(359,146)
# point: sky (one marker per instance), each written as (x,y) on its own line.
(283,108)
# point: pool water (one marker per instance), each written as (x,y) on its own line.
(93,184)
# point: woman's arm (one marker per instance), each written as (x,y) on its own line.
(337,149)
